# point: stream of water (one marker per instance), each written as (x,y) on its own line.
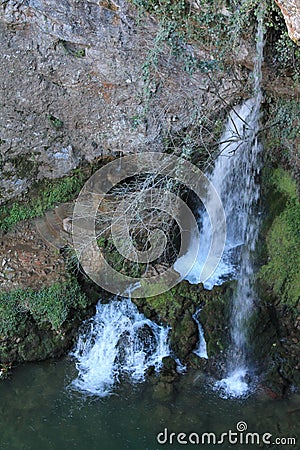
(118,342)
(201,349)
(239,356)
(235,177)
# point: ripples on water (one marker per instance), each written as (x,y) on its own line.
(39,412)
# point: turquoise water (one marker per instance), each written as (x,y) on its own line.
(40,412)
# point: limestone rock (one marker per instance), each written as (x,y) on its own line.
(75,87)
(291,12)
(28,262)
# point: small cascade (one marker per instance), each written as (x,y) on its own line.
(118,342)
(201,350)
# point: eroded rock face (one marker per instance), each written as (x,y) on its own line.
(291,12)
(26,261)
(81,79)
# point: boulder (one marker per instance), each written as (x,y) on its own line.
(291,12)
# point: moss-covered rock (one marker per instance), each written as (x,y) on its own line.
(215,319)
(176,307)
(282,270)
(274,325)
(195,362)
(262,334)
(184,335)
(40,324)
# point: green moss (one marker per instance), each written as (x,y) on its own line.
(56,123)
(73,49)
(80,53)
(184,335)
(285,184)
(219,26)
(167,305)
(44,196)
(50,305)
(282,271)
(25,165)
(282,130)
(281,51)
(11,313)
(214,318)
(180,22)
(117,261)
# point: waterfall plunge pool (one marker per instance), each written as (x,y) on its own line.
(40,412)
(95,400)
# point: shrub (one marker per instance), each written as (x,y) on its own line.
(51,305)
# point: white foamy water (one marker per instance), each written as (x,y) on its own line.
(231,177)
(235,179)
(117,342)
(201,349)
(235,385)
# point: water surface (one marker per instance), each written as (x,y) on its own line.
(39,412)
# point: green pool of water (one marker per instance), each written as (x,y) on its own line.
(39,412)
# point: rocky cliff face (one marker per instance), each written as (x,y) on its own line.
(81,79)
(291,12)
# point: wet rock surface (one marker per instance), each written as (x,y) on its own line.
(285,352)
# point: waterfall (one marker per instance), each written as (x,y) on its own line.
(118,342)
(236,383)
(235,178)
(201,350)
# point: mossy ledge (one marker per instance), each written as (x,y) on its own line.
(41,324)
(176,307)
(46,193)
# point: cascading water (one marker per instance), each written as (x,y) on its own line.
(201,350)
(120,342)
(236,384)
(235,179)
(117,342)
